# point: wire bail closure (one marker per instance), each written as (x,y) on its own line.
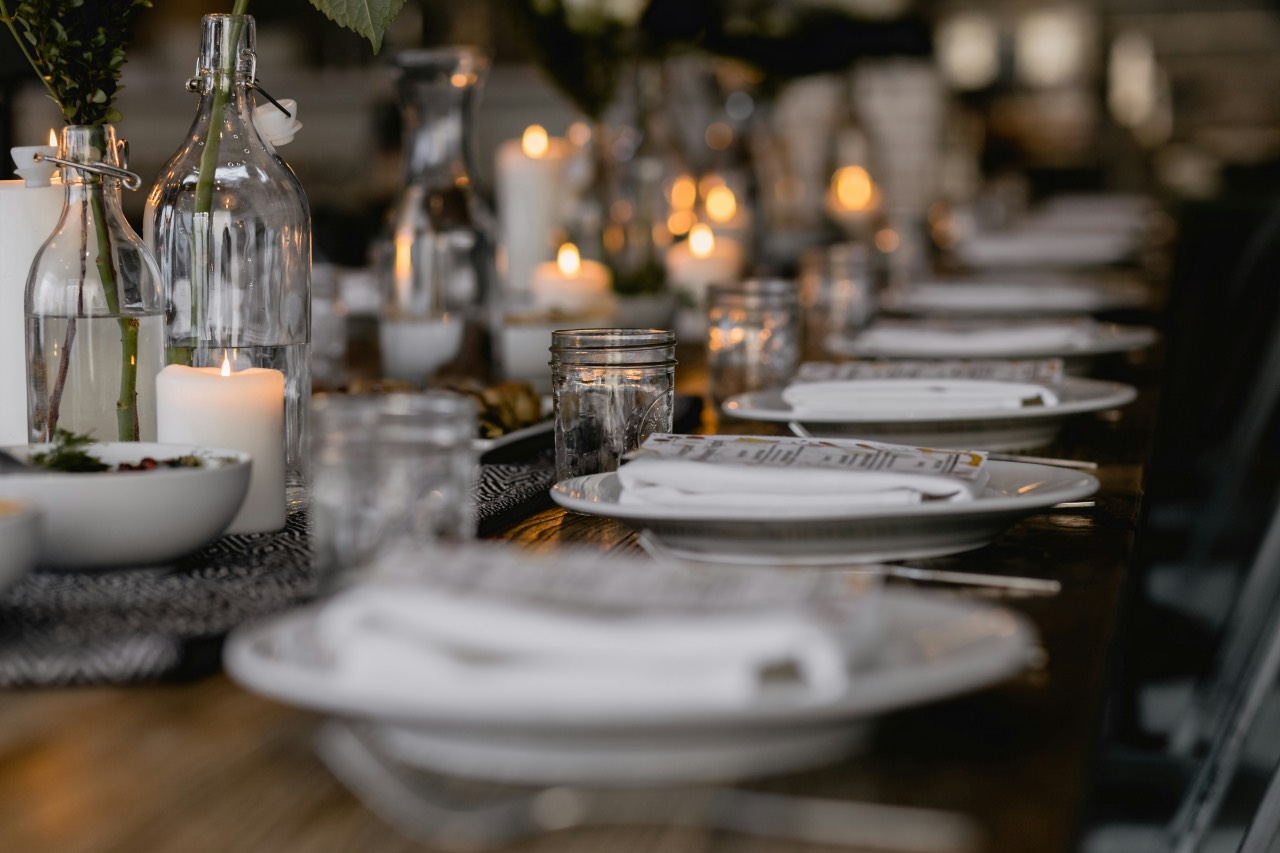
(130,180)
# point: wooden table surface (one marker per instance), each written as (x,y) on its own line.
(208,766)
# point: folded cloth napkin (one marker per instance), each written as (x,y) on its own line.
(750,472)
(976,338)
(1001,296)
(903,397)
(405,644)
(1055,248)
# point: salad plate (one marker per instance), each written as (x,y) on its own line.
(996,429)
(789,535)
(114,518)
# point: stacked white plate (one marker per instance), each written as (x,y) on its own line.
(1021,297)
(994,428)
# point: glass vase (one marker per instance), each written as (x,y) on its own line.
(231,231)
(93,306)
(438,266)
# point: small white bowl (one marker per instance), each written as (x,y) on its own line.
(115,518)
(19,540)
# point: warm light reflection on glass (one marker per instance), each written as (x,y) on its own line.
(854,189)
(459,80)
(226,364)
(568,259)
(684,192)
(887,240)
(403,265)
(722,205)
(579,133)
(53,138)
(535,142)
(701,241)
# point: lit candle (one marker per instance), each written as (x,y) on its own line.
(571,283)
(29,211)
(703,260)
(529,182)
(241,410)
(852,198)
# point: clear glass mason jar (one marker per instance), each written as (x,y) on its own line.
(839,295)
(93,306)
(230,228)
(612,388)
(753,338)
(438,266)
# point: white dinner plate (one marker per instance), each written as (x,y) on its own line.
(931,647)
(1014,298)
(789,535)
(997,429)
(1101,339)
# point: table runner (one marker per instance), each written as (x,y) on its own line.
(167,622)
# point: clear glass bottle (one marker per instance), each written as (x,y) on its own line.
(230,228)
(612,389)
(438,266)
(93,306)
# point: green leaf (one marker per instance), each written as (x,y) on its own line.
(369,18)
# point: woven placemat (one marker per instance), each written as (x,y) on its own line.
(145,624)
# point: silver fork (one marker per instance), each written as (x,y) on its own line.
(421,805)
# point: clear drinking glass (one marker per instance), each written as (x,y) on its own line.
(438,266)
(390,472)
(838,293)
(612,389)
(235,249)
(753,335)
(94,311)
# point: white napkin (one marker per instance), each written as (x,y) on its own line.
(401,643)
(901,397)
(1053,248)
(747,472)
(976,339)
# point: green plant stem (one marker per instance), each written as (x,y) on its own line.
(127,404)
(201,226)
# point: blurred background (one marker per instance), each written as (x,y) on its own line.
(1174,98)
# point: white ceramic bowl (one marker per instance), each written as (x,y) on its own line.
(19,540)
(118,518)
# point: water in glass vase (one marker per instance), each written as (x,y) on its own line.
(84,372)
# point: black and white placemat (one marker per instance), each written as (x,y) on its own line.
(146,624)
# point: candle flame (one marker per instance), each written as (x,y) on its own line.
(854,190)
(535,143)
(701,241)
(226,364)
(402,268)
(568,259)
(721,204)
(53,138)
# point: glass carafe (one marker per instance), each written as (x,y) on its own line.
(94,312)
(438,265)
(230,228)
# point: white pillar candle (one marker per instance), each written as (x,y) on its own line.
(28,216)
(701,261)
(241,410)
(529,178)
(572,283)
(413,349)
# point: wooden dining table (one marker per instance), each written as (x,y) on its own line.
(209,766)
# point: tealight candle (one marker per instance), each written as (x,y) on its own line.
(529,178)
(240,410)
(852,198)
(703,260)
(570,282)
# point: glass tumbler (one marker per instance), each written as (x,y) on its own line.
(612,389)
(753,336)
(392,472)
(839,295)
